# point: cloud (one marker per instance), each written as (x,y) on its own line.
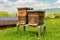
(57,2)
(31,3)
(12,6)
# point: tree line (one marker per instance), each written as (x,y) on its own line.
(6,14)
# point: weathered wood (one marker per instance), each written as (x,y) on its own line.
(36,17)
(22,12)
(22,19)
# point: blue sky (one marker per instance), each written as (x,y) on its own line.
(13,0)
(12,5)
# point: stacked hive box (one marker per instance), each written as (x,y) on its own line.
(35,18)
(22,15)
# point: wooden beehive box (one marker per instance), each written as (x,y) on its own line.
(22,14)
(35,18)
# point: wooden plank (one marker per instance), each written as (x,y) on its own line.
(22,12)
(8,22)
(22,20)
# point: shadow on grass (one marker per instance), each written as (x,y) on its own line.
(26,33)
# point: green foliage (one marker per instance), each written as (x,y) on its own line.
(3,14)
(6,14)
(57,15)
(52,32)
(51,15)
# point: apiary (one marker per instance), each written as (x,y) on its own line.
(29,17)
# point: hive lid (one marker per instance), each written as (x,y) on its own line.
(33,11)
(25,8)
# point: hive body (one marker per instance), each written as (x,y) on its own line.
(36,17)
(22,13)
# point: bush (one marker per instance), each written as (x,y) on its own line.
(49,16)
(57,15)
(52,16)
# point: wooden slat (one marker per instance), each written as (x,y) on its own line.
(22,19)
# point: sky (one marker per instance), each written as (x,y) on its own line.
(12,5)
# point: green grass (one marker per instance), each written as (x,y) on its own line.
(52,32)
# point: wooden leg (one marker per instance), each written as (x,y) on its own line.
(17,27)
(39,31)
(24,28)
(45,29)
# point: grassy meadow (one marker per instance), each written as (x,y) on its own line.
(52,29)
(52,32)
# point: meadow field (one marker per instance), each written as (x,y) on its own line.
(52,29)
(52,32)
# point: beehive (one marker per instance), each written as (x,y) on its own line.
(36,18)
(22,15)
(32,18)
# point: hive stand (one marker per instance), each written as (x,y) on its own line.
(22,17)
(39,28)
